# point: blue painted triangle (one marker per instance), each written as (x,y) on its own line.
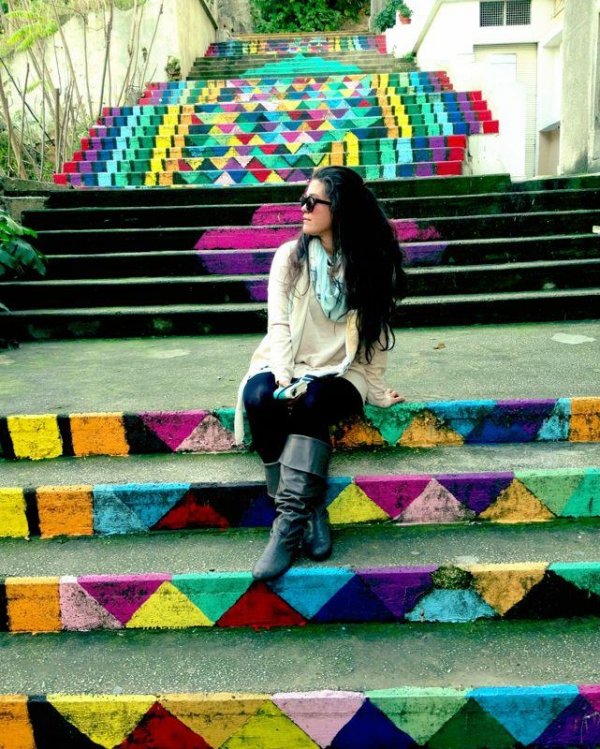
(355,602)
(150,502)
(111,515)
(308,590)
(525,711)
(451,606)
(369,727)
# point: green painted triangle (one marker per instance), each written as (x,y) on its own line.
(472,728)
(553,488)
(585,500)
(584,575)
(419,712)
(393,421)
(213,593)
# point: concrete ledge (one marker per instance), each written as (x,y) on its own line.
(321,595)
(556,715)
(415,424)
(508,497)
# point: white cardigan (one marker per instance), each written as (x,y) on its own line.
(287,314)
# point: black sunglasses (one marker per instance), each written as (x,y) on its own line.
(309,202)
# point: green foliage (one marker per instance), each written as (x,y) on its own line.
(386,18)
(271,16)
(32,26)
(17,256)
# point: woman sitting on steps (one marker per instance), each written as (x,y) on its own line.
(331,296)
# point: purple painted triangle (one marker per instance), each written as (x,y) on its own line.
(173,427)
(578,726)
(392,493)
(400,588)
(122,595)
(477,491)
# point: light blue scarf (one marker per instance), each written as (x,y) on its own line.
(327,281)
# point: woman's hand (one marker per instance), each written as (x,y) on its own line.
(393,396)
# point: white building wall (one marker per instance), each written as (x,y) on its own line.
(448,37)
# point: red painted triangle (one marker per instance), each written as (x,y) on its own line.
(196,120)
(159,729)
(260,608)
(270,148)
(245,138)
(187,513)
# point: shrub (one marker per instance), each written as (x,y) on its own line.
(386,18)
(17,256)
(271,16)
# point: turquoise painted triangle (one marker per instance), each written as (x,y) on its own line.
(525,712)
(392,422)
(553,488)
(111,515)
(462,416)
(556,427)
(150,502)
(585,500)
(213,593)
(451,606)
(584,575)
(308,590)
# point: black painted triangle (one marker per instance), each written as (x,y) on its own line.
(555,597)
(52,731)
(140,439)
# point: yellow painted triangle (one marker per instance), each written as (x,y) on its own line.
(503,586)
(105,719)
(358,434)
(270,728)
(215,716)
(168,608)
(274,179)
(353,506)
(426,430)
(516,504)
(256,140)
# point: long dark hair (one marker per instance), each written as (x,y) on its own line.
(366,245)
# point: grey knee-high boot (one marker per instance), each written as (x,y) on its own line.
(272,471)
(303,462)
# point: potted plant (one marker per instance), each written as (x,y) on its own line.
(173,68)
(395,9)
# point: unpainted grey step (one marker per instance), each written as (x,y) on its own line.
(364,546)
(352,657)
(228,468)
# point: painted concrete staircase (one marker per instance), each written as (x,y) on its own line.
(461,578)
(161,262)
(273,114)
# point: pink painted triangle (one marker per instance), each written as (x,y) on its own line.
(173,427)
(209,436)
(321,715)
(392,493)
(435,505)
(122,595)
(80,612)
(592,695)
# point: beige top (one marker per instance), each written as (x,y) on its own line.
(301,339)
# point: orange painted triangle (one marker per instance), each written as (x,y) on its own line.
(260,608)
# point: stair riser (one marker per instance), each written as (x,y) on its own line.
(165,291)
(425,424)
(57,326)
(232,215)
(325,595)
(508,717)
(508,497)
(252,262)
(443,229)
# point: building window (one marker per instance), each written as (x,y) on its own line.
(504,12)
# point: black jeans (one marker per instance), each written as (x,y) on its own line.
(327,401)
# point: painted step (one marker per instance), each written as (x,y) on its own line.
(561,716)
(117,509)
(326,595)
(410,424)
(142,291)
(111,322)
(261,195)
(219,178)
